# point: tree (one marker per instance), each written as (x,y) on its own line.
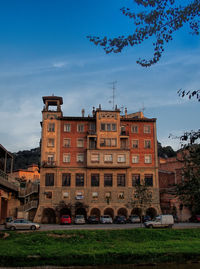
(159,20)
(142,199)
(188,191)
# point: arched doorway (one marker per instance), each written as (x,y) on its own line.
(136,211)
(81,211)
(65,211)
(122,212)
(151,212)
(48,216)
(95,212)
(110,212)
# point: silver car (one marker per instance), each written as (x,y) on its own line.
(21,224)
(106,219)
(79,219)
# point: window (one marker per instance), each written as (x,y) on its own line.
(108,142)
(67,142)
(66,157)
(67,127)
(121,158)
(108,180)
(48,194)
(134,144)
(80,142)
(147,144)
(95,195)
(79,180)
(121,195)
(108,158)
(121,180)
(51,127)
(65,194)
(50,158)
(95,157)
(147,159)
(148,179)
(103,127)
(114,127)
(80,128)
(108,195)
(79,196)
(66,179)
(147,129)
(135,158)
(135,180)
(109,127)
(50,142)
(95,180)
(92,128)
(134,129)
(80,157)
(49,179)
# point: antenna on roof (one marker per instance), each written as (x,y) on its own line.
(143,108)
(113,94)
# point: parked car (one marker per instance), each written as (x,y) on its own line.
(195,218)
(176,219)
(160,221)
(133,219)
(120,220)
(65,219)
(146,218)
(79,219)
(106,219)
(21,224)
(8,219)
(93,220)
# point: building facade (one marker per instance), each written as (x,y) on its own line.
(91,165)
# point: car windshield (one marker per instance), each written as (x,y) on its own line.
(65,217)
(79,217)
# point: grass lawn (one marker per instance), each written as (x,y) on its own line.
(95,247)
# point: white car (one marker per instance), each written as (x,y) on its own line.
(161,221)
(79,219)
(106,219)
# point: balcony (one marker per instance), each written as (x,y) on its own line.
(46,164)
(116,159)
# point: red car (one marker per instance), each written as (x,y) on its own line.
(65,219)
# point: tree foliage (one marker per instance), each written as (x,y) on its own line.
(158,20)
(188,190)
(142,199)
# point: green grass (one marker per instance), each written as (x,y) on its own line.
(83,247)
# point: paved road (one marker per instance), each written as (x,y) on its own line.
(48,227)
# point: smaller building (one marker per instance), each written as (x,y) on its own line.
(30,174)
(8,187)
(170,174)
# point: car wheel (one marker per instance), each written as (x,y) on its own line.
(170,226)
(33,227)
(150,226)
(12,228)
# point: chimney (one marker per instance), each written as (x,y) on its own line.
(125,112)
(93,111)
(83,112)
(99,107)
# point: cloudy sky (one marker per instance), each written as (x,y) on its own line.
(44,51)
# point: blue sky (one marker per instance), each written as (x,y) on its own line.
(44,51)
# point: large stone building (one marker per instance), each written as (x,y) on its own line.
(91,165)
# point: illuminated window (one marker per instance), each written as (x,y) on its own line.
(67,127)
(66,158)
(135,158)
(147,129)
(147,159)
